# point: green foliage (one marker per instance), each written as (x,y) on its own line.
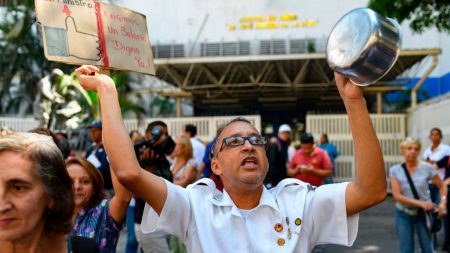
(122,81)
(166,105)
(423,14)
(23,66)
(22,58)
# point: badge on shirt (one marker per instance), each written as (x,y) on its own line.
(278,227)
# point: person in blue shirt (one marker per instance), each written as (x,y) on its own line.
(96,155)
(332,152)
(205,166)
(204,169)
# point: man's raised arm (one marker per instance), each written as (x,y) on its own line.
(369,186)
(119,148)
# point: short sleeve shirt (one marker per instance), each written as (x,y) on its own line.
(207,160)
(331,150)
(291,217)
(420,177)
(318,160)
(98,223)
(441,151)
(102,157)
(180,173)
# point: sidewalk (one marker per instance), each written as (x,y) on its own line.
(376,231)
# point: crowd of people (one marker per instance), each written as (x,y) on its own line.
(180,195)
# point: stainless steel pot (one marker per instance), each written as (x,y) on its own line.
(363,46)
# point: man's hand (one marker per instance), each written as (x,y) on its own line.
(348,90)
(91,80)
(307,169)
(149,154)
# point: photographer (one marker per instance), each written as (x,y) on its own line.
(152,157)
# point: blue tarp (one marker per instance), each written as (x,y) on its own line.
(432,87)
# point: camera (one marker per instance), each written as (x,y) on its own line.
(159,151)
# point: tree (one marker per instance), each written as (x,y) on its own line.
(25,70)
(22,59)
(61,102)
(422,13)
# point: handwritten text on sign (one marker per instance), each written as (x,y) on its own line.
(87,32)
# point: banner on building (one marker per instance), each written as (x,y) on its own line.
(95,33)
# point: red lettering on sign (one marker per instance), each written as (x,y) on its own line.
(128,32)
(119,46)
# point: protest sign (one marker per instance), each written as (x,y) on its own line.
(90,32)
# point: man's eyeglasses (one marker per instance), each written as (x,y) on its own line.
(234,141)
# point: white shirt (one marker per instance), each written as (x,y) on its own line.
(198,150)
(439,153)
(207,220)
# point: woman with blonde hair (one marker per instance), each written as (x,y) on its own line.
(411,209)
(184,167)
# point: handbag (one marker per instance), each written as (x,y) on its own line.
(80,244)
(430,218)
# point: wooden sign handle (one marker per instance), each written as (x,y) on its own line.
(105,71)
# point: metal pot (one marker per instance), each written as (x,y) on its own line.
(363,46)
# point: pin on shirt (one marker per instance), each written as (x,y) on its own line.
(278,227)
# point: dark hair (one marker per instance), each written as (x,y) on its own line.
(63,145)
(98,189)
(49,166)
(324,135)
(44,131)
(437,130)
(219,132)
(152,124)
(192,129)
(307,138)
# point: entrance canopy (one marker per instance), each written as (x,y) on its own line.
(270,82)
